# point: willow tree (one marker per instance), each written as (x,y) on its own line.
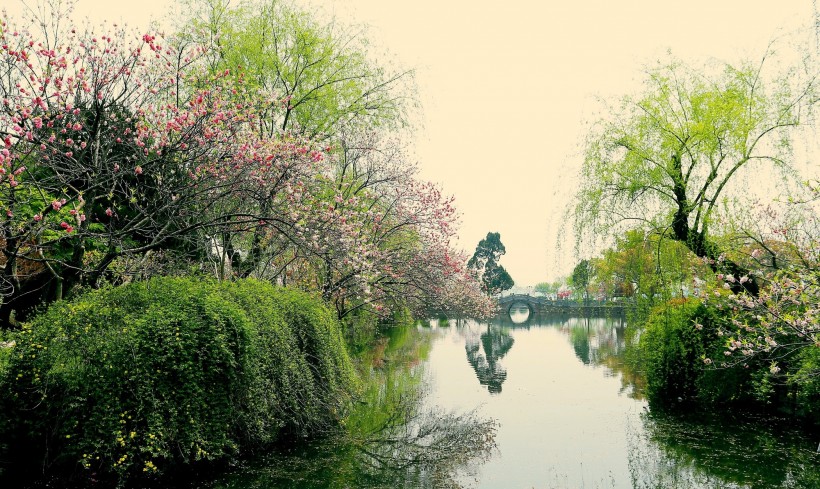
(321,72)
(667,158)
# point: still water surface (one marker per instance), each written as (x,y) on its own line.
(558,402)
(570,415)
(562,419)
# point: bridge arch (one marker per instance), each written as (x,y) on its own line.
(508,302)
(526,304)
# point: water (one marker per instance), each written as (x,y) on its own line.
(570,415)
(529,403)
(562,421)
(393,437)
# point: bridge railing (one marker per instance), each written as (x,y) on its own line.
(544,301)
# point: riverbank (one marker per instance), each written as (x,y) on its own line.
(149,384)
(548,402)
(127,383)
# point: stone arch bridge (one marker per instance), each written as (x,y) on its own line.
(541,305)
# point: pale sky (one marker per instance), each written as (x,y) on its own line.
(506,88)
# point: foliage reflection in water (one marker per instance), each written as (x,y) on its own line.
(392,439)
(706,451)
(571,414)
(484,353)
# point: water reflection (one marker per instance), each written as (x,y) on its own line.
(519,313)
(580,343)
(571,415)
(707,450)
(393,437)
(483,354)
(562,421)
(594,340)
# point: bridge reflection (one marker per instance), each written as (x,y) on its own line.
(519,313)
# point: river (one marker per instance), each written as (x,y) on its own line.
(532,403)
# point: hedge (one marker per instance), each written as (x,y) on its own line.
(133,380)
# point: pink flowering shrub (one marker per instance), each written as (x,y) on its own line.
(124,150)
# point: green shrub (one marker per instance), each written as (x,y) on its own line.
(134,379)
(673,351)
(5,356)
(402,317)
(806,384)
(303,367)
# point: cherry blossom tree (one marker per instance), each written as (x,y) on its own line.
(782,322)
(380,242)
(116,146)
(122,149)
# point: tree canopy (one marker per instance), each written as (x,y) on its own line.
(667,158)
(581,276)
(321,72)
(484,262)
(127,155)
(672,173)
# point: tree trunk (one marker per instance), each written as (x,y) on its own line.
(703,248)
(696,240)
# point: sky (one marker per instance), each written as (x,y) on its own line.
(508,88)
